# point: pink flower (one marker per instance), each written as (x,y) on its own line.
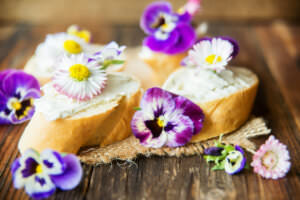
(192,6)
(272,159)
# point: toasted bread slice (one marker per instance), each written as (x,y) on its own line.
(44,73)
(101,121)
(161,64)
(226,98)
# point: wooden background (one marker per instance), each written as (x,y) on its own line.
(128,11)
(268,32)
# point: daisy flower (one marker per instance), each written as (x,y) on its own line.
(78,78)
(212,53)
(81,33)
(41,174)
(166,119)
(56,45)
(272,159)
(18,90)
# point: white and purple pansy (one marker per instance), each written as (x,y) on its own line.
(41,174)
(17,93)
(168,32)
(166,119)
(235,161)
(109,55)
(212,53)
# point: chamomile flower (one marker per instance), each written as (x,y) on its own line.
(78,78)
(56,45)
(212,53)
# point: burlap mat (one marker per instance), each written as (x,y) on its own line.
(130,148)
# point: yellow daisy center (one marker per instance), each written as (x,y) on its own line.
(72,47)
(269,160)
(211,59)
(79,72)
(82,34)
(161,121)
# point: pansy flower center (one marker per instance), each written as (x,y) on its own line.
(269,160)
(39,169)
(79,72)
(211,59)
(72,47)
(160,21)
(160,121)
(21,108)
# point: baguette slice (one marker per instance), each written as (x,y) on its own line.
(161,64)
(226,99)
(103,121)
(44,74)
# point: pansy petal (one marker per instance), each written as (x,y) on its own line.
(151,13)
(40,186)
(234,43)
(19,80)
(181,132)
(3,74)
(15,165)
(156,142)
(32,93)
(14,120)
(184,17)
(161,45)
(4,112)
(186,39)
(52,161)
(157,101)
(192,110)
(139,128)
(72,174)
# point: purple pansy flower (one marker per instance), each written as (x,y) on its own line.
(17,93)
(168,32)
(235,161)
(166,119)
(40,174)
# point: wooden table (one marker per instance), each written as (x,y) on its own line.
(270,49)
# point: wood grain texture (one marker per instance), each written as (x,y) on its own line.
(129,11)
(264,49)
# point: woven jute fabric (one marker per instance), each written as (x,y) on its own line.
(130,148)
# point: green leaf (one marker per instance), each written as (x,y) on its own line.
(137,108)
(107,63)
(220,166)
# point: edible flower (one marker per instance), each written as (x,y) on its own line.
(78,78)
(109,55)
(192,7)
(212,53)
(168,32)
(166,119)
(235,161)
(56,46)
(18,90)
(272,159)
(226,157)
(41,174)
(81,33)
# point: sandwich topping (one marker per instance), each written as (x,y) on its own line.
(166,119)
(169,32)
(212,53)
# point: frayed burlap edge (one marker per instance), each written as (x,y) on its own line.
(130,148)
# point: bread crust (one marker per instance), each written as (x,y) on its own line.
(163,64)
(226,114)
(70,134)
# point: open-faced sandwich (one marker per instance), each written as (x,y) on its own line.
(169,36)
(72,42)
(83,105)
(226,95)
